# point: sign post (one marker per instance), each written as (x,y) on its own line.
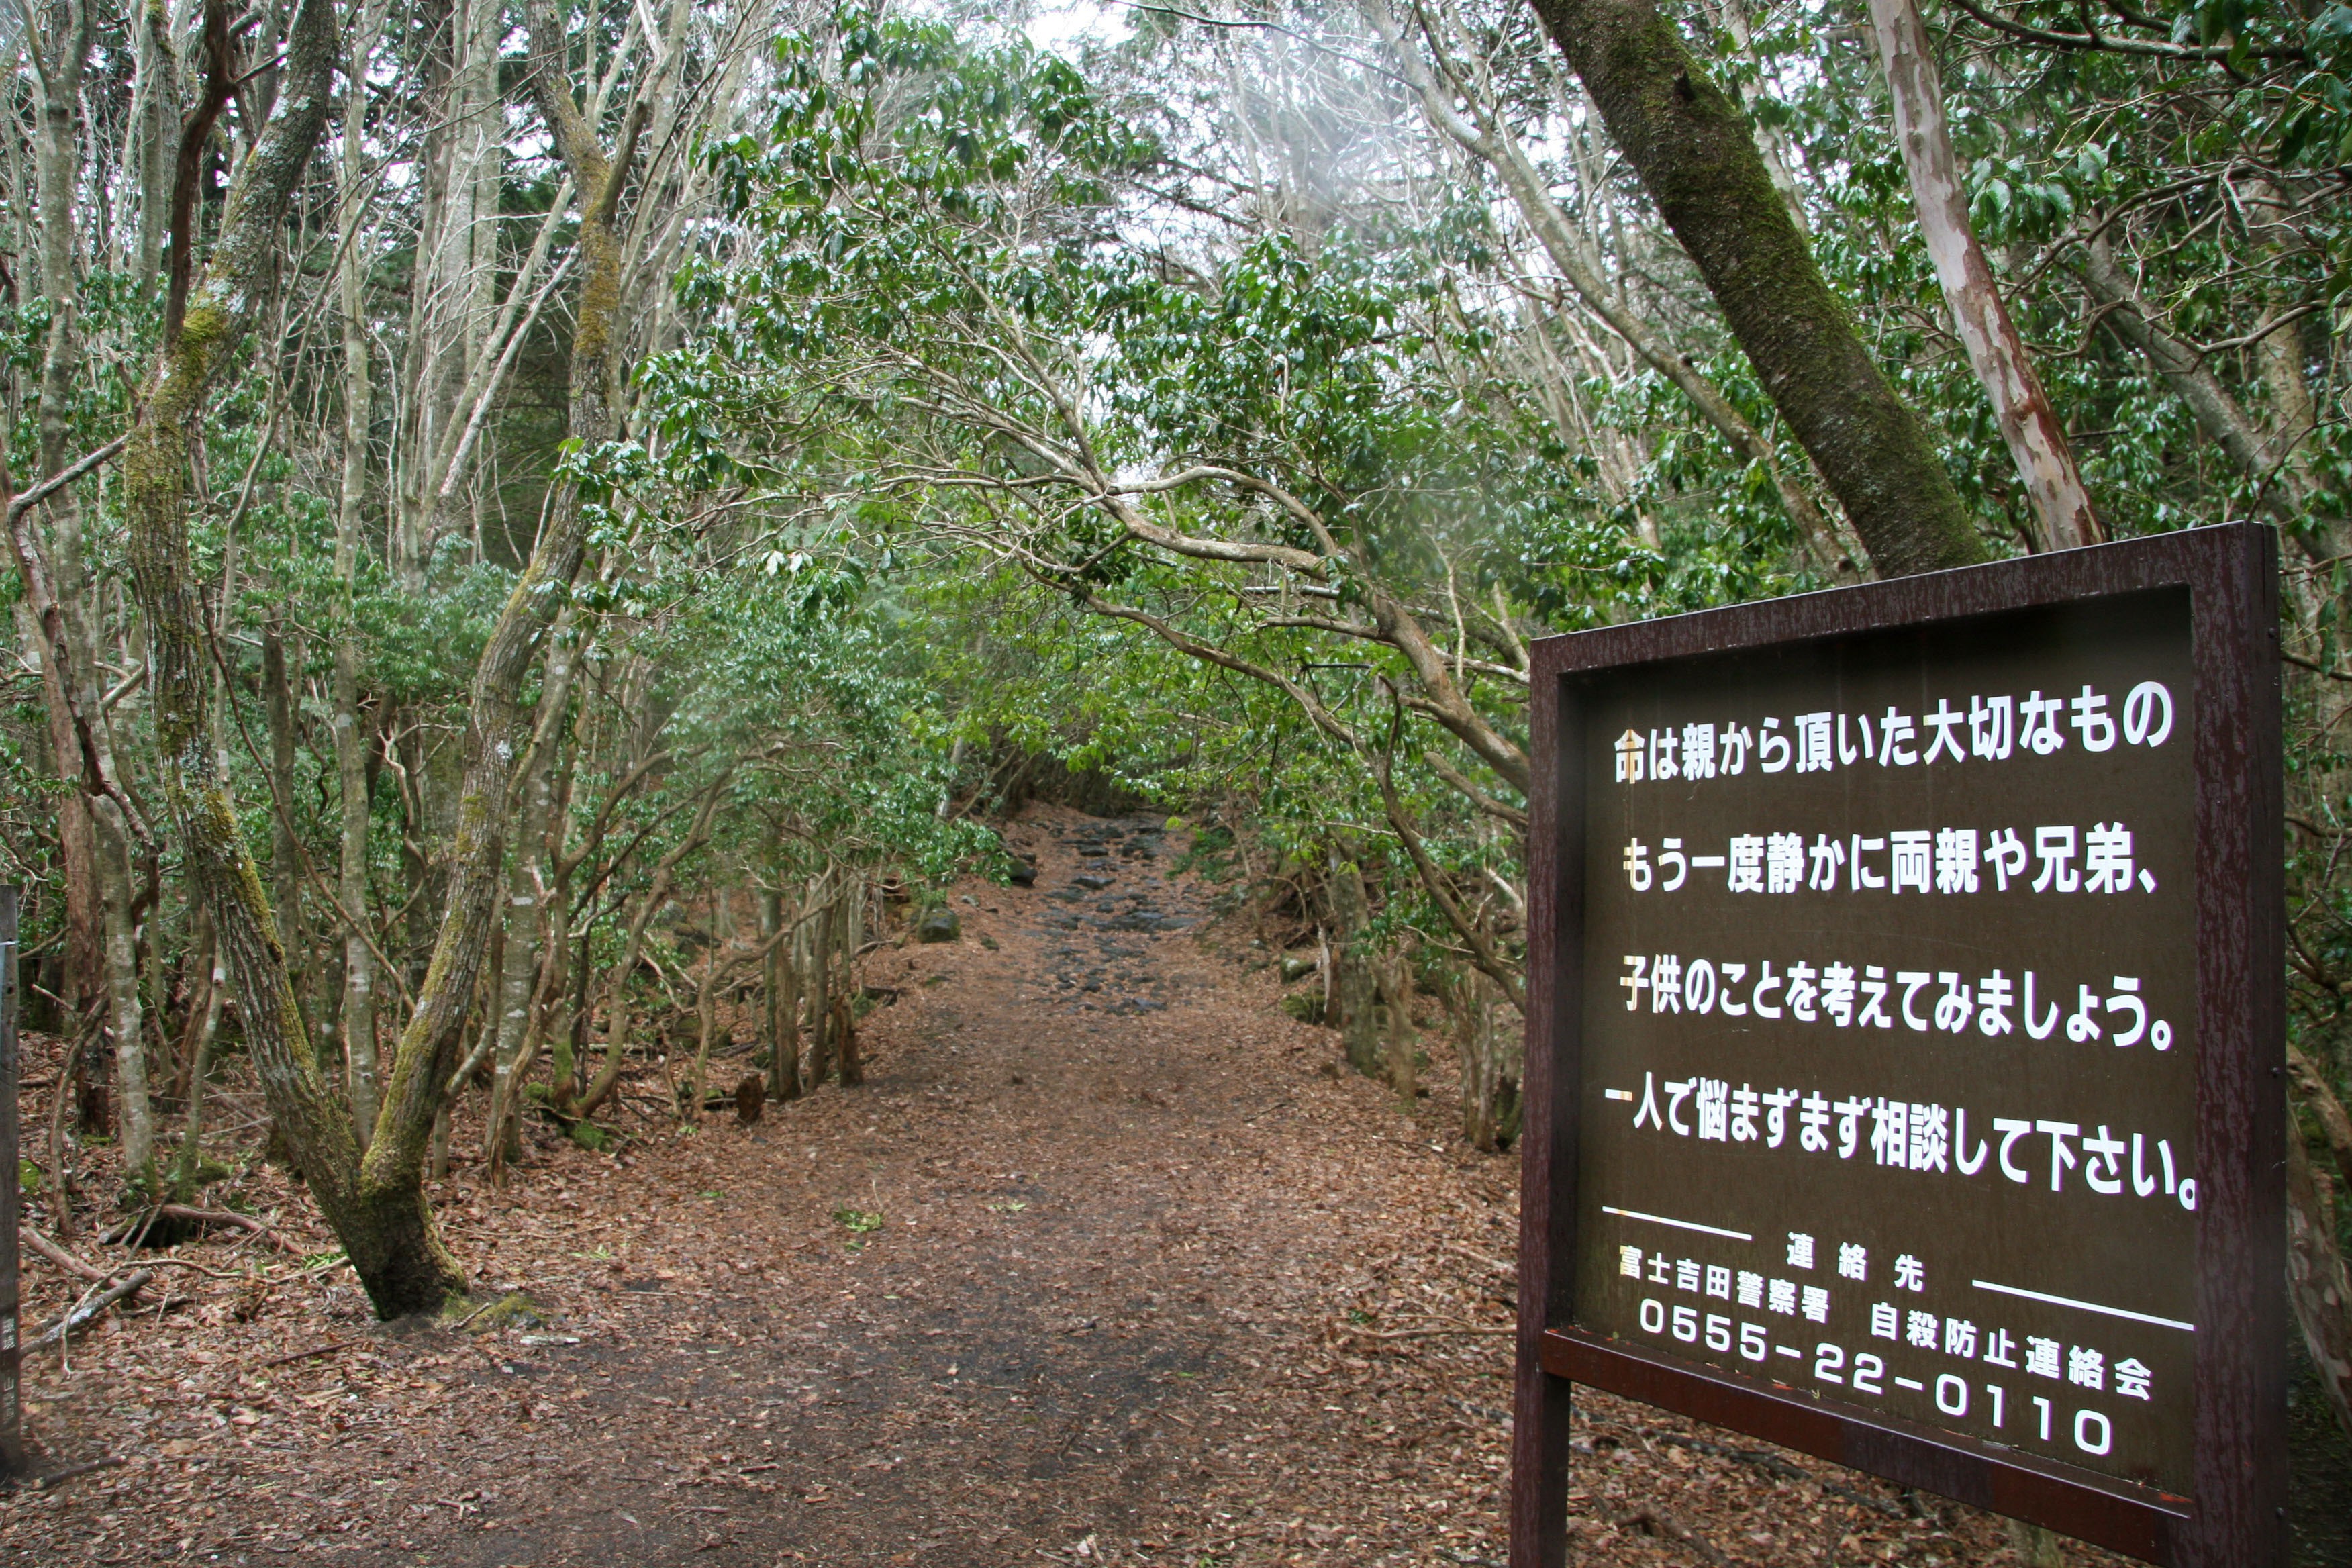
(12,1403)
(1904,1040)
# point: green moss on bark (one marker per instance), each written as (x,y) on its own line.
(1695,155)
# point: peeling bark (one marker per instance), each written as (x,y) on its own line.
(2022,408)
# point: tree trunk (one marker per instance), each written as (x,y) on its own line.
(2317,1282)
(705,1030)
(844,998)
(187,1169)
(530,909)
(351,743)
(1355,987)
(1691,148)
(79,978)
(286,850)
(1490,1045)
(2029,423)
(60,70)
(124,1016)
(155,130)
(820,992)
(780,1000)
(384,1225)
(1492,140)
(1400,1045)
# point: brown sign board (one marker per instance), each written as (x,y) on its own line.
(1905,1039)
(12,1401)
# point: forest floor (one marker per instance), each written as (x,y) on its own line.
(1094,1269)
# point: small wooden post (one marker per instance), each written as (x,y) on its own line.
(12,1404)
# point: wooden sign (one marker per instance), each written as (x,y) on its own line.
(1905,1039)
(12,1403)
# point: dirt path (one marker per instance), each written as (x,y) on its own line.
(1091,1270)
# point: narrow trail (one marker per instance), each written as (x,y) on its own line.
(1103,1264)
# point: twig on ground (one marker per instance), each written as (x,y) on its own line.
(1770,1464)
(1655,1522)
(89,1308)
(1424,1333)
(329,1348)
(58,1255)
(88,1467)
(260,1228)
(76,1267)
(476,1312)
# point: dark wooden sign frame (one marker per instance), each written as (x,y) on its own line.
(2237,1515)
(12,1350)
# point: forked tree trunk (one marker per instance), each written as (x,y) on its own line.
(633,947)
(386,1230)
(376,1202)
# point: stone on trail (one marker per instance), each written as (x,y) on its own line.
(1024,875)
(941,925)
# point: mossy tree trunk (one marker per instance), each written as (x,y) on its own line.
(387,1232)
(1691,146)
(375,1201)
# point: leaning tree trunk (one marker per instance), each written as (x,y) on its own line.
(1694,155)
(2029,422)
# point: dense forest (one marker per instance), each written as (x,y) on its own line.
(540,535)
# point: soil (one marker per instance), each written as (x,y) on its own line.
(1106,1263)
